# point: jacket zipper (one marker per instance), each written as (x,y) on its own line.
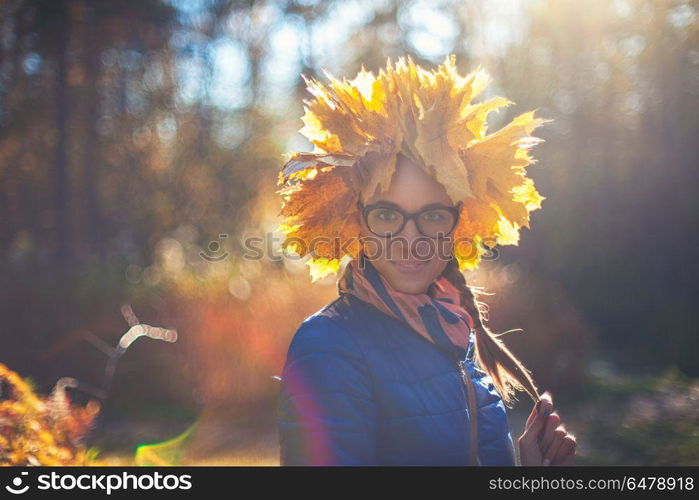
(472,411)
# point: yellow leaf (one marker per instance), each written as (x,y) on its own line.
(359,126)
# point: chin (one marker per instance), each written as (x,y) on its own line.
(412,287)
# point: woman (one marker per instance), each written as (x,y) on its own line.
(400,369)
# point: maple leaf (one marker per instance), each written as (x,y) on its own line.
(359,127)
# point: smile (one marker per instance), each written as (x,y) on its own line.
(410,267)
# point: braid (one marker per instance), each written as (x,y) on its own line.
(492,355)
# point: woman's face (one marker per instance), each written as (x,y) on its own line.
(409,261)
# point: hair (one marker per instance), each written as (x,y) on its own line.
(491,354)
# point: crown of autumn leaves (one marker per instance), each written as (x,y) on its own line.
(360,126)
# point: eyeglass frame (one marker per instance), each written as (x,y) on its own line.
(454,209)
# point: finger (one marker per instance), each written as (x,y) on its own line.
(546,407)
(559,432)
(533,414)
(547,434)
(569,457)
(551,452)
(547,402)
(537,420)
(566,451)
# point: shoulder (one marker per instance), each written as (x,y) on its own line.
(325,357)
(330,330)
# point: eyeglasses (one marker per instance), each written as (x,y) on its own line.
(386,220)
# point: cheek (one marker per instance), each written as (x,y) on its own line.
(438,266)
(373,246)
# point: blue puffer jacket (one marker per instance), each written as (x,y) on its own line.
(362,388)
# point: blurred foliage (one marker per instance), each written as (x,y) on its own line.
(42,431)
(651,420)
(140,140)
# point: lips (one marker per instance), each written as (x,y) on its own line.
(409,266)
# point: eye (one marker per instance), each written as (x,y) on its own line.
(386,214)
(434,215)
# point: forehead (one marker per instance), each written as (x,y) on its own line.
(412,188)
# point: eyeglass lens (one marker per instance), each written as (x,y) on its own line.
(387,221)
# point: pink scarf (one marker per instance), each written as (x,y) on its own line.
(437,315)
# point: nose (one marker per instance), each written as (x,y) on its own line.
(405,244)
(410,232)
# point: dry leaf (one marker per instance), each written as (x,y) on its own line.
(358,128)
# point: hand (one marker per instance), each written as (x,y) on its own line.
(545,440)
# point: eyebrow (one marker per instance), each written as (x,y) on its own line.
(424,207)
